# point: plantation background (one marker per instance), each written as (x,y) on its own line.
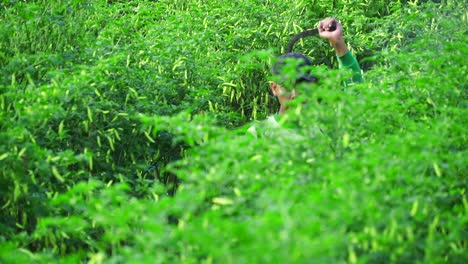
(104,103)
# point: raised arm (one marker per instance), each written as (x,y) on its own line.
(331,29)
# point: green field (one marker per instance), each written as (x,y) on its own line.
(123,133)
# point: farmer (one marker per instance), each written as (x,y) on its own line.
(345,60)
(329,29)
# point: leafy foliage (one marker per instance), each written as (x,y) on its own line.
(108,107)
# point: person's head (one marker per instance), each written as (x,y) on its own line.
(289,71)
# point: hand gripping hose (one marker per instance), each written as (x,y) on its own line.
(304,34)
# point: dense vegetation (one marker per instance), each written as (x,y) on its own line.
(103,104)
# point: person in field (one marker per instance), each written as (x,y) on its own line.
(329,29)
(345,60)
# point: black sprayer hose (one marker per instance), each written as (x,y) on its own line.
(304,34)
